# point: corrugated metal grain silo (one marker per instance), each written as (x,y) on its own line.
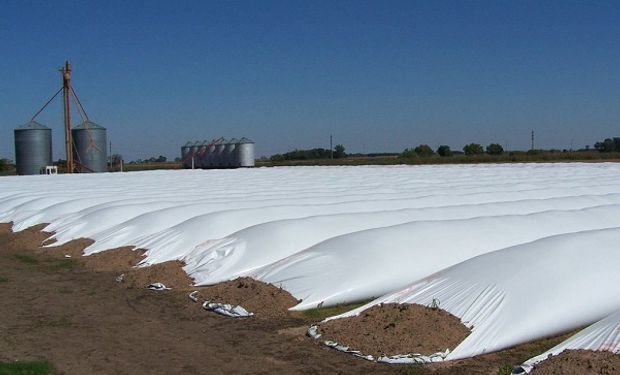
(245,152)
(185,150)
(220,156)
(201,158)
(186,157)
(194,149)
(89,150)
(208,159)
(33,148)
(230,156)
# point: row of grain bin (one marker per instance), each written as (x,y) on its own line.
(218,153)
(33,148)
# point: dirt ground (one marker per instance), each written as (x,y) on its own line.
(73,313)
(392,329)
(581,362)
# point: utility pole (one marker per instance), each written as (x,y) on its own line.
(532,141)
(331,147)
(66,92)
(110,154)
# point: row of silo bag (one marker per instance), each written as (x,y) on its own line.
(528,292)
(218,153)
(508,297)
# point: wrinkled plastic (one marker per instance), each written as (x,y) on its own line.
(603,335)
(367,264)
(231,311)
(524,293)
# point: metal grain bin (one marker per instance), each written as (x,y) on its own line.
(186,155)
(220,157)
(230,156)
(210,159)
(245,152)
(33,148)
(89,147)
(185,151)
(201,158)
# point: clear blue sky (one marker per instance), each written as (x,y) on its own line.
(379,75)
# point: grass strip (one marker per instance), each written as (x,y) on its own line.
(25,368)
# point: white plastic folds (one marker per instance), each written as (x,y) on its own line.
(524,293)
(603,335)
(231,311)
(374,262)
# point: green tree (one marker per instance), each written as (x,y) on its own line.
(339,151)
(495,149)
(3,165)
(473,149)
(444,150)
(424,151)
(608,145)
(277,157)
(408,153)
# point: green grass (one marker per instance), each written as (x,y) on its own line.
(26,259)
(60,264)
(3,279)
(58,323)
(47,264)
(25,368)
(322,313)
(505,370)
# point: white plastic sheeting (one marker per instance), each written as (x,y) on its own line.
(346,268)
(523,293)
(231,311)
(256,246)
(317,231)
(603,335)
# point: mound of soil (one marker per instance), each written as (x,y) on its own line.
(584,362)
(115,260)
(392,329)
(28,238)
(73,248)
(169,273)
(57,310)
(123,260)
(264,300)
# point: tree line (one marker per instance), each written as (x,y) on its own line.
(608,145)
(312,154)
(425,150)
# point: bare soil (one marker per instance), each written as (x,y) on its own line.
(264,300)
(583,362)
(392,329)
(72,313)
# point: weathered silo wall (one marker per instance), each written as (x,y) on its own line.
(245,153)
(210,160)
(230,156)
(184,155)
(89,151)
(201,159)
(33,148)
(220,157)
